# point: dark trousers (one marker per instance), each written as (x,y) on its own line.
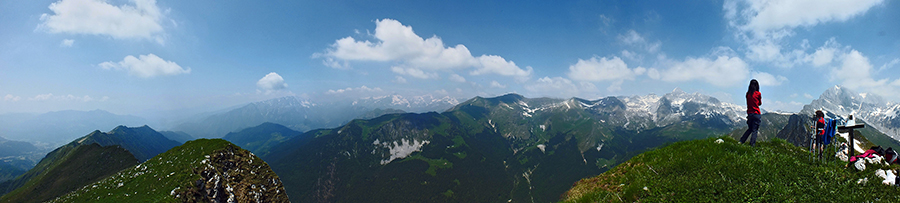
(752,128)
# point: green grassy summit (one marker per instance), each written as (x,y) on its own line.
(704,171)
(199,171)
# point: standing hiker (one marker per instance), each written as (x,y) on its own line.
(820,133)
(754,100)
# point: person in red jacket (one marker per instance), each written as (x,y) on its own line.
(754,100)
(820,133)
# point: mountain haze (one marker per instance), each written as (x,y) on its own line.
(260,139)
(140,142)
(302,114)
(59,127)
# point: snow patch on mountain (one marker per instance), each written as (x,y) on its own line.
(401,149)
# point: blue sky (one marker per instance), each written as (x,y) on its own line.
(156,57)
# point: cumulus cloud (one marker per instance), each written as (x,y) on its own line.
(598,69)
(495,84)
(890,64)
(457,78)
(399,79)
(417,57)
(766,79)
(500,66)
(146,66)
(271,82)
(10,97)
(825,54)
(764,25)
(413,72)
(633,38)
(719,71)
(67,43)
(140,20)
(560,87)
(855,72)
(765,15)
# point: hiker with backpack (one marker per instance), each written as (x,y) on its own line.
(819,144)
(754,100)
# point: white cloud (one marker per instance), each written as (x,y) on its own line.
(399,79)
(51,97)
(808,96)
(457,78)
(855,72)
(764,25)
(825,54)
(889,64)
(854,67)
(413,72)
(766,15)
(417,57)
(271,82)
(632,56)
(495,84)
(602,69)
(766,79)
(500,66)
(633,38)
(97,17)
(721,71)
(780,105)
(67,43)
(361,89)
(653,73)
(146,66)
(10,97)
(330,62)
(560,87)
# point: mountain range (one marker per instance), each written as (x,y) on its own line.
(505,148)
(139,143)
(490,149)
(260,139)
(303,115)
(52,129)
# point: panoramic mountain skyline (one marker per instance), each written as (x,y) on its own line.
(153,58)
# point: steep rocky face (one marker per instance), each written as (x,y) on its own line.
(795,131)
(229,175)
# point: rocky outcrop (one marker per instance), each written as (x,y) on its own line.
(234,175)
(795,131)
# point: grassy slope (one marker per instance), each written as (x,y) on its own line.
(8,171)
(703,171)
(157,179)
(167,171)
(86,164)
